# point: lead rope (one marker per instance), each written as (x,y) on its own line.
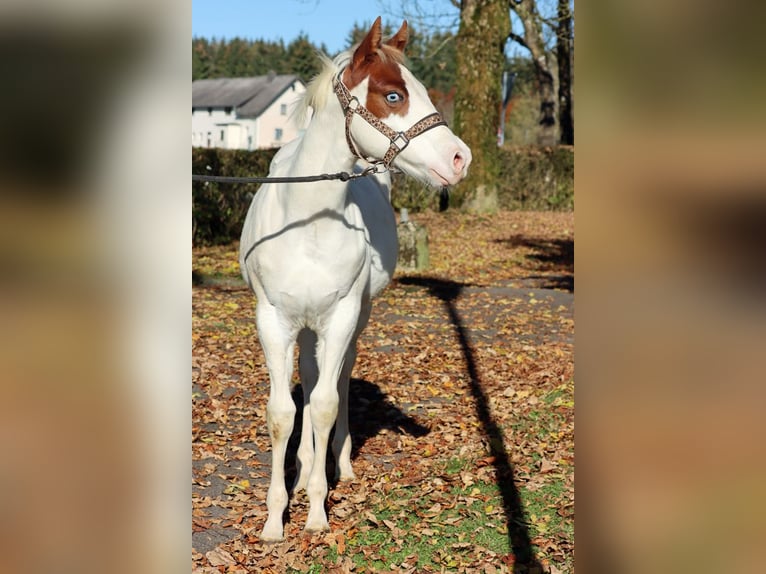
(341,175)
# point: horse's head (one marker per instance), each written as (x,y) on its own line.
(402,126)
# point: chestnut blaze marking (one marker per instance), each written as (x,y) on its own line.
(384,79)
(380,61)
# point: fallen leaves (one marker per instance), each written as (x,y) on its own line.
(220,557)
(432,477)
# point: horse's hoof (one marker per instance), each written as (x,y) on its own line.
(347,476)
(317,525)
(272,533)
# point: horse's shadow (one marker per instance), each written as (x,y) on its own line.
(549,256)
(518,532)
(369,412)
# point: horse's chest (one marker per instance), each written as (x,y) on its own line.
(308,271)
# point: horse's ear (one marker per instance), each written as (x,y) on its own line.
(369,45)
(399,40)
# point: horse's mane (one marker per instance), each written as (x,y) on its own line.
(320,86)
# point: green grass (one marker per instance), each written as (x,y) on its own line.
(541,506)
(455,465)
(432,540)
(450,538)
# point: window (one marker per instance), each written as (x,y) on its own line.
(278,134)
(222,135)
(249,142)
(227,110)
(283,109)
(209,138)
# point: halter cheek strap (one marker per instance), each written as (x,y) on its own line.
(398,140)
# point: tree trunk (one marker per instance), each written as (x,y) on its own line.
(564,57)
(533,41)
(484,28)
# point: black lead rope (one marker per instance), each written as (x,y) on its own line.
(341,175)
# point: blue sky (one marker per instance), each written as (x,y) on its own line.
(323,21)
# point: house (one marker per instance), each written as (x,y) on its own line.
(245,113)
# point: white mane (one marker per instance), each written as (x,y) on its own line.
(320,87)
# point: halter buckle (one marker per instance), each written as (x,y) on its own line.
(401,136)
(376,167)
(353,104)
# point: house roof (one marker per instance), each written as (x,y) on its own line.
(250,96)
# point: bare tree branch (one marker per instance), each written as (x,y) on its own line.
(518,39)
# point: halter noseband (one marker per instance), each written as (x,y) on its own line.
(398,140)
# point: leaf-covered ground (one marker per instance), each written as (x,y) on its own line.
(461,412)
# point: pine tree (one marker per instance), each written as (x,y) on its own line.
(302,58)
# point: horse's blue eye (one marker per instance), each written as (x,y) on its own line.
(393,97)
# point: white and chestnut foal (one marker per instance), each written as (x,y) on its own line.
(316,253)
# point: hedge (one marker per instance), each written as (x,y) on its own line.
(532,178)
(218,211)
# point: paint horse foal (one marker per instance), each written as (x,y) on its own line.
(315,254)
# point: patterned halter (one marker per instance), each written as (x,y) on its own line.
(398,140)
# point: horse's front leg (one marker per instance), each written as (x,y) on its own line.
(341,444)
(280,412)
(333,343)
(309,372)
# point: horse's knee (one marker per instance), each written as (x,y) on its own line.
(324,411)
(280,420)
(277,498)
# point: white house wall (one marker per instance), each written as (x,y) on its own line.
(273,119)
(208,127)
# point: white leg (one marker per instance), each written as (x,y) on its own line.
(280,412)
(331,352)
(309,371)
(341,444)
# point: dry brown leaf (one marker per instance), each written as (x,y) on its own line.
(220,557)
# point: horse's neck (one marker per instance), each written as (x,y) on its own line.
(323,149)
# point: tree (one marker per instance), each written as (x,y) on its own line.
(564,58)
(359,31)
(432,58)
(483,32)
(201,60)
(302,58)
(533,40)
(237,56)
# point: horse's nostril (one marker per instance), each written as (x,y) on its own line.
(458,162)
